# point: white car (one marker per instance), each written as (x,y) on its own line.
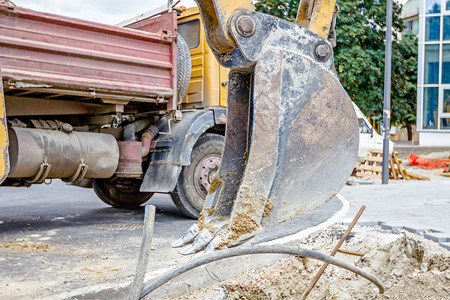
(368,137)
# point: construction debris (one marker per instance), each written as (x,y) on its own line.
(333,253)
(428,163)
(410,266)
(446,173)
(372,168)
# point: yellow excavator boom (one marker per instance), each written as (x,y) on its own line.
(316,16)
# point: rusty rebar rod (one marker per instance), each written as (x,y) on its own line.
(350,252)
(335,250)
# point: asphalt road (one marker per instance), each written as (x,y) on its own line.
(57,238)
(62,242)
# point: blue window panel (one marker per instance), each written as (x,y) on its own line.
(447,5)
(446,63)
(446,28)
(430,108)
(432,28)
(431,68)
(445,123)
(446,102)
(433,6)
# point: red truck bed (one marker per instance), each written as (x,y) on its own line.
(65,55)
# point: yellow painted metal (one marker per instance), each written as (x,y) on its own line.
(316,15)
(4,159)
(223,78)
(195,92)
(212,79)
(215,15)
(304,13)
(208,79)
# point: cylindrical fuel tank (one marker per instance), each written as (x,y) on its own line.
(41,153)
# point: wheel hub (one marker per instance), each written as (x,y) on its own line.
(205,171)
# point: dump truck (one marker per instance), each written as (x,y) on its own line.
(86,101)
(102,106)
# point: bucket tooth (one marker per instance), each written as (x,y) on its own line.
(201,241)
(188,237)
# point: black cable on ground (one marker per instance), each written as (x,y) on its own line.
(274,249)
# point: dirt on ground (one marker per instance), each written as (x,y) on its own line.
(410,266)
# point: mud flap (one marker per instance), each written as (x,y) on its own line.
(173,151)
(4,158)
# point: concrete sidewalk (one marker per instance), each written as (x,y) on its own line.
(413,205)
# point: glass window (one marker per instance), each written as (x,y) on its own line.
(190,31)
(446,63)
(433,6)
(432,28)
(445,123)
(430,105)
(447,5)
(415,26)
(363,127)
(446,28)
(409,25)
(446,102)
(431,75)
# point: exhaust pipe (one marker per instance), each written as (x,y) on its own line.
(37,154)
(132,151)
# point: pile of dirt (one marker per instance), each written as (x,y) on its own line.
(410,267)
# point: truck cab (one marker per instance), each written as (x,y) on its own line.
(208,85)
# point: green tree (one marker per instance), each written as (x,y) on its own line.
(282,9)
(359,55)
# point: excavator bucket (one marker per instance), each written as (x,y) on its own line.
(292,133)
(4,159)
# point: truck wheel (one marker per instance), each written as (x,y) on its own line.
(120,192)
(194,181)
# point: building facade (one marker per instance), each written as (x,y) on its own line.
(410,15)
(433,86)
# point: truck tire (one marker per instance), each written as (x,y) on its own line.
(183,68)
(190,192)
(120,192)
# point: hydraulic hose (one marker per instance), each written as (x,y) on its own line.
(239,251)
(129,131)
(149,135)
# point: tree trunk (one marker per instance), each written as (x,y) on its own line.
(409,128)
